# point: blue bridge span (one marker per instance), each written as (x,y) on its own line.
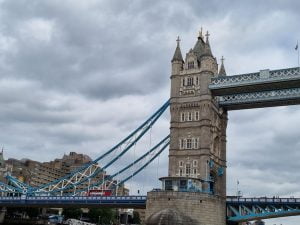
(238,208)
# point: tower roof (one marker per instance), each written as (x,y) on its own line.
(222,70)
(177,55)
(201,47)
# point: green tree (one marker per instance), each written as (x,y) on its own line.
(32,212)
(105,215)
(136,218)
(74,213)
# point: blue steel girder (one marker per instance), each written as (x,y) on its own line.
(8,189)
(260,99)
(248,209)
(252,82)
(158,148)
(90,170)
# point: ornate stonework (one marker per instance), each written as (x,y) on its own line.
(196,182)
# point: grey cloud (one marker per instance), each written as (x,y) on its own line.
(80,75)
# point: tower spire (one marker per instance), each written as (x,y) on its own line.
(222,71)
(207,36)
(177,55)
(207,49)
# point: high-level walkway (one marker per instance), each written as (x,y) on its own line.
(255,90)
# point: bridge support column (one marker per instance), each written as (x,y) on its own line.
(2,214)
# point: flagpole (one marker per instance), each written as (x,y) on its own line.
(297,49)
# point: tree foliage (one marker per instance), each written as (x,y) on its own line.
(73,213)
(103,215)
(136,218)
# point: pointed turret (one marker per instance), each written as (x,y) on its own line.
(177,55)
(222,71)
(177,60)
(207,49)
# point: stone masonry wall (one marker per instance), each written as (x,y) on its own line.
(203,208)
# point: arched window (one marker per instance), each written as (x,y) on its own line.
(181,172)
(197,80)
(181,143)
(195,162)
(195,171)
(190,117)
(196,143)
(197,115)
(180,163)
(182,117)
(191,65)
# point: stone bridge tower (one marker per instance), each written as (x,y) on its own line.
(195,190)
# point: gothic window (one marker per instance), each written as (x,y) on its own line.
(182,117)
(190,117)
(197,115)
(190,65)
(183,81)
(197,80)
(187,169)
(180,163)
(190,81)
(189,143)
(195,171)
(181,144)
(180,172)
(195,163)
(196,143)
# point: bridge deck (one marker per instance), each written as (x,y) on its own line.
(238,209)
(71,201)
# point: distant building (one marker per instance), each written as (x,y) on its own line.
(3,167)
(37,173)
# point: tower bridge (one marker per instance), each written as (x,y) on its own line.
(195,189)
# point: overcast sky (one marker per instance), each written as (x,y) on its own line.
(80,75)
